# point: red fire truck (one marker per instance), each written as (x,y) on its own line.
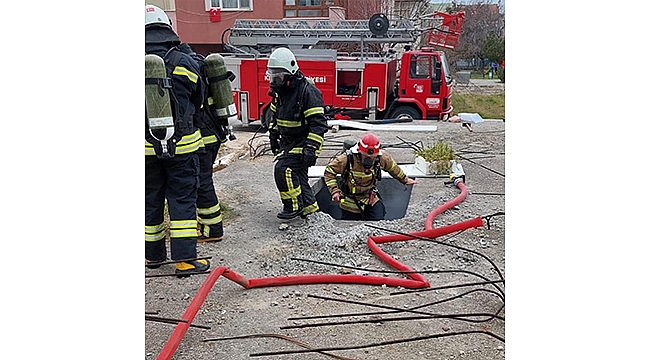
(362,86)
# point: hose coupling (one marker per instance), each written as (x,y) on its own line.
(455,179)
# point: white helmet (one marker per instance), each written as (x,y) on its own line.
(154,14)
(283,58)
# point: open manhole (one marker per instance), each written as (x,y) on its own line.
(392,192)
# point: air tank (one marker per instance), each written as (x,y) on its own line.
(220,89)
(157,98)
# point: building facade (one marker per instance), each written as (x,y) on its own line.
(204,24)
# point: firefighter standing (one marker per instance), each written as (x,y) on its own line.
(207,205)
(171,162)
(360,168)
(208,208)
(296,132)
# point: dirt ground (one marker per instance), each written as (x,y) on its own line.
(258,245)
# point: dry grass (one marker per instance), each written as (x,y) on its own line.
(489,106)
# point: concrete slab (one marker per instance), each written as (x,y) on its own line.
(409,169)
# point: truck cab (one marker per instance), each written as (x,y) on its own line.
(425,86)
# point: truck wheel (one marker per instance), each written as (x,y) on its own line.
(405,112)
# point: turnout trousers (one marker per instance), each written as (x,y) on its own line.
(292,181)
(370,213)
(177,180)
(207,204)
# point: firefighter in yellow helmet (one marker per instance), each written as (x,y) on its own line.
(296,131)
(360,167)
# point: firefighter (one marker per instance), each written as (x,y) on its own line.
(296,132)
(208,207)
(171,161)
(360,167)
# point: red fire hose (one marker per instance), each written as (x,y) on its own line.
(416,280)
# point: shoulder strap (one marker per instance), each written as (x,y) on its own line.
(301,101)
(346,191)
(172,59)
(377,170)
(348,166)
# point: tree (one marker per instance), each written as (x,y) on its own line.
(494,48)
(483,21)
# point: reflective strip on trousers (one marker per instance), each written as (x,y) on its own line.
(154,232)
(293,192)
(183,228)
(309,209)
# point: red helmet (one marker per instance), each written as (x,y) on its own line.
(369,144)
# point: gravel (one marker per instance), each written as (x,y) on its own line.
(258,245)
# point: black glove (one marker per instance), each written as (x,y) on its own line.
(308,156)
(275,145)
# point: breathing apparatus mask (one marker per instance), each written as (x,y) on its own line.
(277,77)
(368,162)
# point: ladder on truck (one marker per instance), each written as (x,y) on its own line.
(247,32)
(256,33)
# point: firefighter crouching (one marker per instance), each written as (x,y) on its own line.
(296,131)
(360,169)
(171,160)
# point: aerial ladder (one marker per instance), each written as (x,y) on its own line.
(264,34)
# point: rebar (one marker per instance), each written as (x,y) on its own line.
(448,287)
(484,167)
(178,261)
(173,321)
(442,243)
(400,310)
(181,275)
(398,272)
(383,343)
(283,337)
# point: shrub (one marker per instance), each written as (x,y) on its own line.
(440,153)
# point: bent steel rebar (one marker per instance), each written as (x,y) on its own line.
(383,343)
(415,281)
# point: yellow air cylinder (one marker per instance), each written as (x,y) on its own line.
(220,89)
(157,98)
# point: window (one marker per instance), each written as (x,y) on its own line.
(308,8)
(309,13)
(349,82)
(165,5)
(420,68)
(229,4)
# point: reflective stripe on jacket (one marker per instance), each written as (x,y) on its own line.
(293,127)
(359,183)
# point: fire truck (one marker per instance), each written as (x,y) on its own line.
(358,86)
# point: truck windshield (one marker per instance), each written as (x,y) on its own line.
(445,68)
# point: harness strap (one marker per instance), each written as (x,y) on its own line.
(165,83)
(228,75)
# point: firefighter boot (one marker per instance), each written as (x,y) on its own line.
(287,214)
(187,268)
(153,264)
(210,233)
